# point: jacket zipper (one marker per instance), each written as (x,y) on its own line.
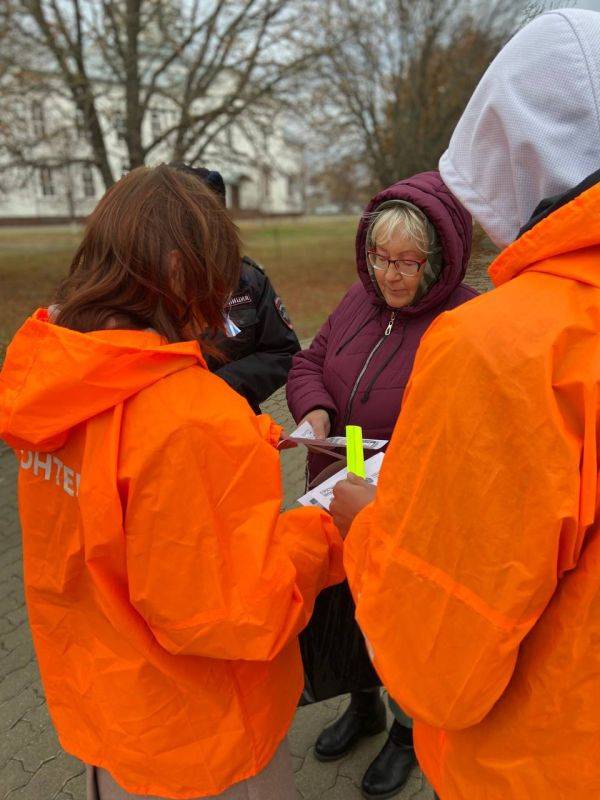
(365,367)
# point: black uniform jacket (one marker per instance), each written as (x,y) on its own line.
(260,356)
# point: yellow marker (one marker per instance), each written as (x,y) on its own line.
(355,456)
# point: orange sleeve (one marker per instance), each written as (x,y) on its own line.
(456,559)
(213,567)
(269,429)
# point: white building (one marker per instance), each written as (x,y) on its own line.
(263,172)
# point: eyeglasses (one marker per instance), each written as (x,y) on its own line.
(405,266)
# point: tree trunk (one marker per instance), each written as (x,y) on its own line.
(134,116)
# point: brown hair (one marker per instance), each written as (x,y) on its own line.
(123,274)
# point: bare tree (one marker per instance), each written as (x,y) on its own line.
(397,76)
(165,76)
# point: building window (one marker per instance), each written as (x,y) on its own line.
(292,186)
(267,180)
(87,176)
(47,182)
(38,120)
(155,123)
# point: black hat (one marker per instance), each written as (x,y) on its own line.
(209,177)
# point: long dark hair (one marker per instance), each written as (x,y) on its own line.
(123,272)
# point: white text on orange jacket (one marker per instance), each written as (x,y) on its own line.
(51,467)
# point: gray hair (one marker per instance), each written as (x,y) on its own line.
(385,221)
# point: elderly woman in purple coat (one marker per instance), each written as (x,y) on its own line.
(412,249)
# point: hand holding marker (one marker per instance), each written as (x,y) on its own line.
(368,471)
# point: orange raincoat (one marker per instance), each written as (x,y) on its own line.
(476,571)
(165,591)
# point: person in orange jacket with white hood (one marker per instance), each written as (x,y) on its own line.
(476,570)
(165,591)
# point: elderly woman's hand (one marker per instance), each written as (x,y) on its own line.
(320,422)
(349,497)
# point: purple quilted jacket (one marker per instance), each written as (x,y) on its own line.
(360,361)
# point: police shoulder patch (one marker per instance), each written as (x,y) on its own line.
(282,311)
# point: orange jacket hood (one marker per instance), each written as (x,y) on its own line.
(54,378)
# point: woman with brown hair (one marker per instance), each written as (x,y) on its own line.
(165,591)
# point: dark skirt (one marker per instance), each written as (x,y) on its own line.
(333,648)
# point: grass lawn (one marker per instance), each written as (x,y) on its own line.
(309,259)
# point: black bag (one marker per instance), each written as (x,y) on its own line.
(333,649)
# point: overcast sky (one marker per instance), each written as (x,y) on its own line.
(593,4)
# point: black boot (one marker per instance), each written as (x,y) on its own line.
(390,770)
(365,716)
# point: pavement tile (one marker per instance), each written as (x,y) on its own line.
(297,762)
(14,683)
(20,736)
(38,717)
(423,791)
(49,779)
(17,658)
(6,625)
(45,747)
(18,616)
(74,788)
(10,547)
(342,789)
(12,639)
(9,586)
(11,602)
(12,778)
(14,709)
(315,778)
(8,571)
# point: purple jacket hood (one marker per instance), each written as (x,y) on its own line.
(452,222)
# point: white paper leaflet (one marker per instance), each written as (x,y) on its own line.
(322,494)
(368,444)
(305,431)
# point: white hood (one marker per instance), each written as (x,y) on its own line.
(532,127)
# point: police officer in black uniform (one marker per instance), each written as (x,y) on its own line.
(260,354)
